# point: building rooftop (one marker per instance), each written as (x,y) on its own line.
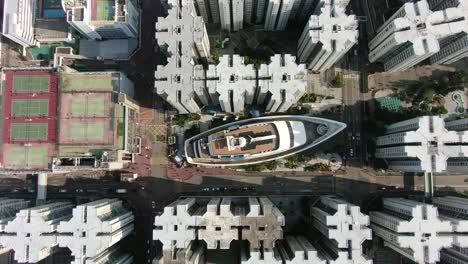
(33,21)
(253,139)
(328,35)
(425,138)
(103,10)
(115,49)
(418,29)
(90,113)
(29,125)
(412,228)
(49,29)
(99,12)
(231,84)
(87,109)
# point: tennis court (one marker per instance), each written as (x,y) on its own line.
(89,82)
(30,108)
(105,10)
(87,106)
(30,84)
(87,131)
(28,131)
(24,156)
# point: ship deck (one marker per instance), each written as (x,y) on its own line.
(205,156)
(219,143)
(202,155)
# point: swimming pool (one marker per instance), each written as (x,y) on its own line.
(458,99)
(53,13)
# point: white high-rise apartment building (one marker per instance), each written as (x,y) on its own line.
(249,14)
(425,144)
(260,11)
(238,83)
(344,228)
(120,20)
(185,36)
(415,33)
(277,15)
(203,10)
(413,229)
(455,210)
(424,233)
(214,8)
(436,5)
(18,21)
(91,231)
(328,36)
(231,14)
(221,220)
(285,83)
(231,84)
(293,249)
(9,208)
(25,23)
(455,47)
(208,9)
(274,14)
(95,227)
(114,254)
(32,233)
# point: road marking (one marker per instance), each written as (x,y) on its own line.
(350,76)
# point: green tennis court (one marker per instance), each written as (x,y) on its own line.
(29,108)
(89,83)
(30,84)
(29,131)
(94,131)
(27,156)
(105,10)
(86,106)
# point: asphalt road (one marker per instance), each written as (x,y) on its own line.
(352,116)
(355,63)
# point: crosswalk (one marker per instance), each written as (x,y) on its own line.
(350,76)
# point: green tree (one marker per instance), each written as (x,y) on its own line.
(429,94)
(272,165)
(247,60)
(218,43)
(337,82)
(443,83)
(294,161)
(255,167)
(458,79)
(403,96)
(453,81)
(425,108)
(184,119)
(308,98)
(215,56)
(365,82)
(318,167)
(439,110)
